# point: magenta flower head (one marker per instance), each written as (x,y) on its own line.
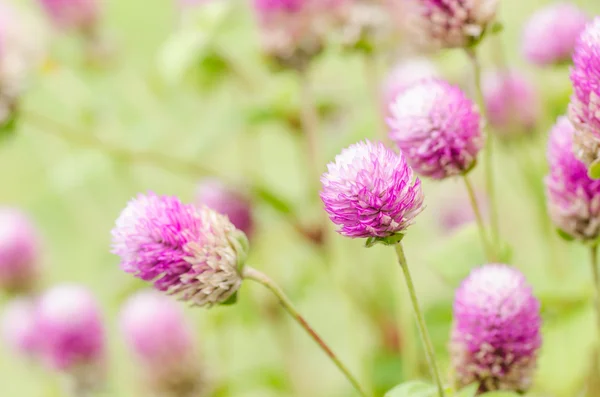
(227,201)
(157,333)
(19,251)
(70,321)
(496,330)
(446,23)
(403,75)
(563,22)
(19,327)
(512,102)
(573,198)
(584,109)
(191,252)
(369,191)
(79,15)
(437,127)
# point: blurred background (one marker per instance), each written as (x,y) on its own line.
(162,113)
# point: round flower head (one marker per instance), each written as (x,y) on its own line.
(216,195)
(584,109)
(563,23)
(496,330)
(403,75)
(191,252)
(72,14)
(437,128)
(19,326)
(69,319)
(19,251)
(445,23)
(573,198)
(512,102)
(370,191)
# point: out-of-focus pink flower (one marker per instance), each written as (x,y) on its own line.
(512,102)
(550,34)
(370,191)
(496,331)
(19,251)
(19,328)
(72,14)
(437,127)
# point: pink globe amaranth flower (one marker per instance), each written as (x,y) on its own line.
(295,31)
(404,74)
(227,201)
(72,14)
(445,23)
(191,252)
(573,198)
(496,330)
(437,127)
(550,34)
(584,109)
(512,102)
(70,324)
(157,333)
(19,251)
(19,329)
(370,191)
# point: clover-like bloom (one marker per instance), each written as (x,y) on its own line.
(70,326)
(584,109)
(445,23)
(437,127)
(215,194)
(19,251)
(19,331)
(512,102)
(563,22)
(188,251)
(496,330)
(79,15)
(573,198)
(157,333)
(370,191)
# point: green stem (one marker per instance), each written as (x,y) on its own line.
(488,153)
(429,351)
(255,275)
(489,252)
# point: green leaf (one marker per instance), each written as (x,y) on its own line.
(496,28)
(468,391)
(415,388)
(391,240)
(594,170)
(232,300)
(8,127)
(276,202)
(564,235)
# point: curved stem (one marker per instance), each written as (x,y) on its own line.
(489,252)
(429,351)
(488,154)
(255,275)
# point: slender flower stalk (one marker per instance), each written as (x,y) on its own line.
(429,351)
(254,275)
(489,252)
(488,155)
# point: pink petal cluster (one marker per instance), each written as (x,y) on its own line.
(404,74)
(19,251)
(512,102)
(72,14)
(445,23)
(70,328)
(550,34)
(188,251)
(437,127)
(156,331)
(19,330)
(496,331)
(584,109)
(370,191)
(573,198)
(216,195)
